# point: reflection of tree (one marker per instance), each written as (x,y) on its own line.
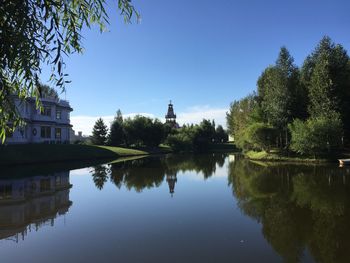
(299,207)
(138,174)
(150,172)
(325,193)
(205,164)
(99,175)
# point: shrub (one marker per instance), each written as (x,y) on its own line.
(316,135)
(260,136)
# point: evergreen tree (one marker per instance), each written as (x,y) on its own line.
(99,132)
(119,117)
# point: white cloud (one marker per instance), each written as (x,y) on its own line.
(198,113)
(191,115)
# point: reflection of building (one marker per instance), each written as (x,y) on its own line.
(171,179)
(170,117)
(32,202)
(50,125)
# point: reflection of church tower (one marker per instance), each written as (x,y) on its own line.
(170,117)
(171,179)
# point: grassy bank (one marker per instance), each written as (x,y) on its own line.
(275,156)
(52,153)
(49,153)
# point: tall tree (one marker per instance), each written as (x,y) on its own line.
(119,117)
(326,74)
(99,133)
(278,91)
(116,132)
(239,114)
(34,33)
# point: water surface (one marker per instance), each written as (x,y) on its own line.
(206,208)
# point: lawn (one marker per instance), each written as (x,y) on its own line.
(48,153)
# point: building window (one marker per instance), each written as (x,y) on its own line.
(45,185)
(58,133)
(45,132)
(5,191)
(46,111)
(58,181)
(58,114)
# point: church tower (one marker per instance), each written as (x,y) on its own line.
(170,117)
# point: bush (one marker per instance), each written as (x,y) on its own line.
(180,142)
(143,131)
(257,136)
(260,136)
(316,135)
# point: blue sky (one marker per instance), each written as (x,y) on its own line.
(201,54)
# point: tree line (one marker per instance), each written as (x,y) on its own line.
(305,110)
(141,131)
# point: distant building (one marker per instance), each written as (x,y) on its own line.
(51,125)
(77,137)
(170,117)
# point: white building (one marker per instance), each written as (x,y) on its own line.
(51,125)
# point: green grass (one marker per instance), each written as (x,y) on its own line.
(49,153)
(277,156)
(124,151)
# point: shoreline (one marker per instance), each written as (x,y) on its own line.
(275,157)
(40,154)
(34,154)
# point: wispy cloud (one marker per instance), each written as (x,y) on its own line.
(192,115)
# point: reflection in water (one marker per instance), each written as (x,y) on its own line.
(171,180)
(149,172)
(301,208)
(300,213)
(27,204)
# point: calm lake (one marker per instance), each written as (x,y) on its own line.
(176,208)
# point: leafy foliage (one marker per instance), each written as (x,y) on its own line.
(34,33)
(316,135)
(313,102)
(239,115)
(326,74)
(220,134)
(196,138)
(143,131)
